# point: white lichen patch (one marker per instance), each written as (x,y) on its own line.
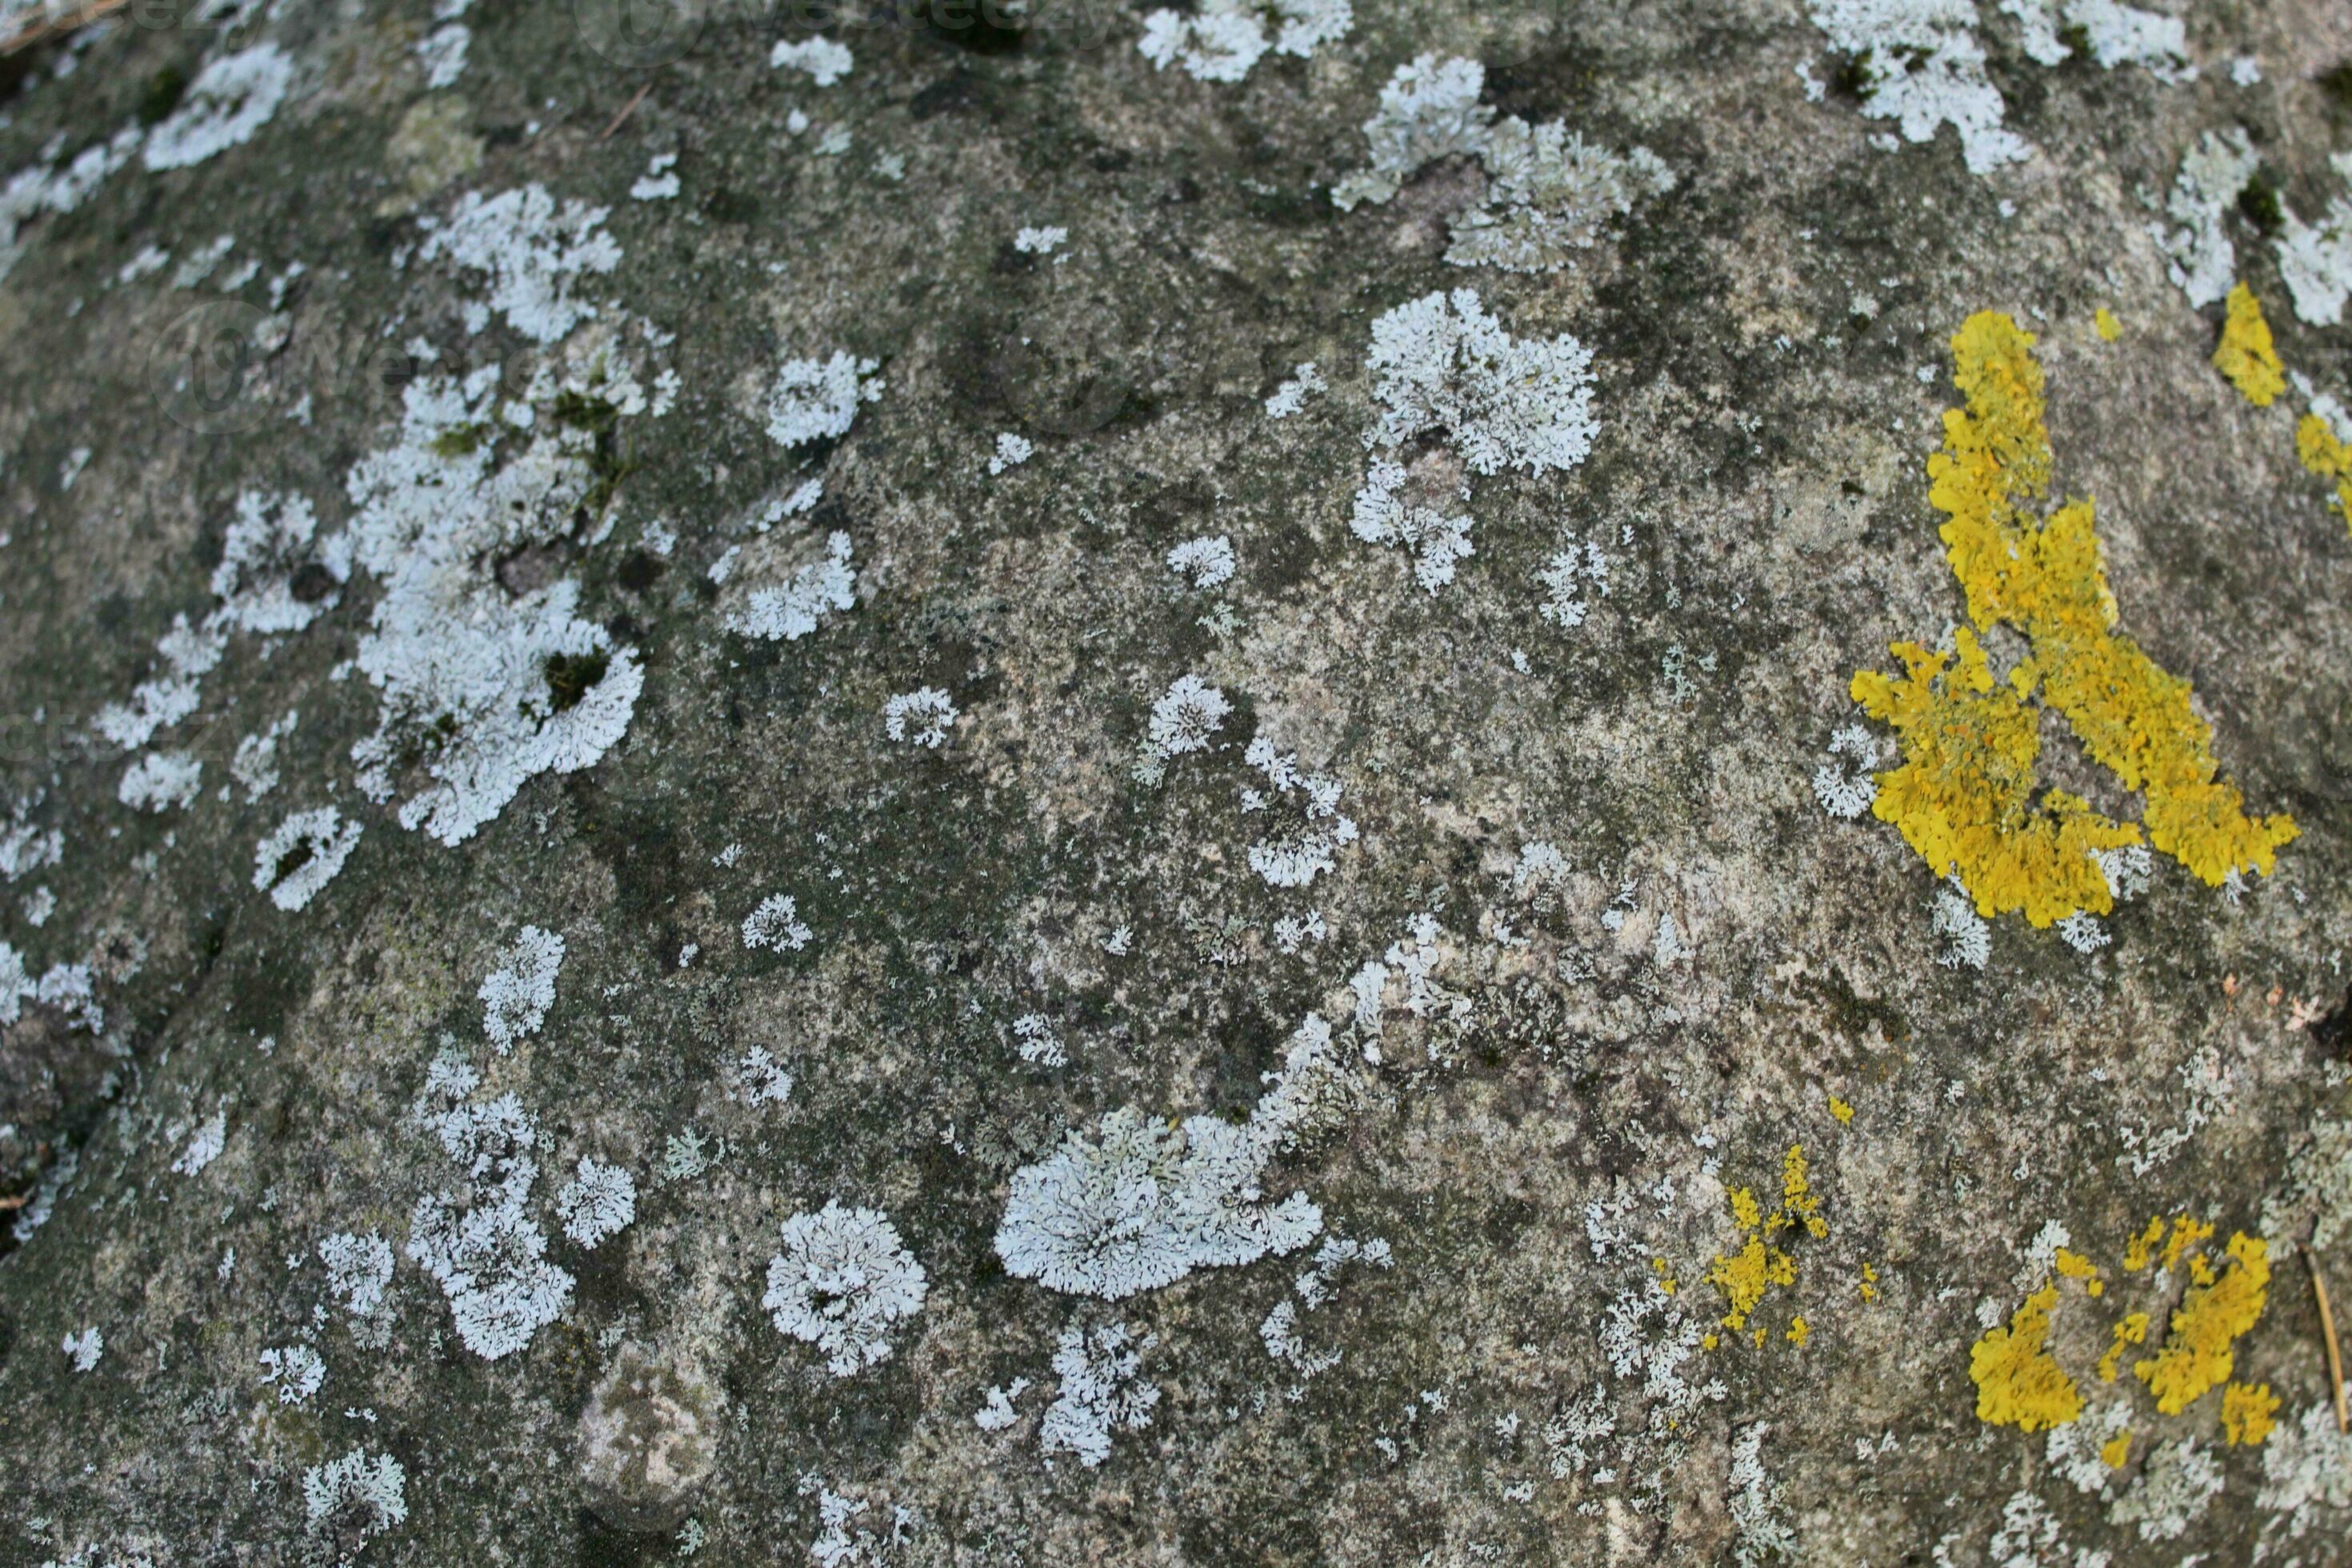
(2112,33)
(1924,68)
(997,1410)
(161,781)
(816,400)
(1845,784)
(1443,366)
(296,1370)
(1279,1331)
(660,183)
(442,53)
(204,1145)
(359,1271)
(2202,258)
(1143,1204)
(64,986)
(481,689)
(477,1240)
(1306,829)
(2307,1467)
(25,847)
(302,854)
(366,1492)
(275,573)
(842,1283)
(1103,1391)
(189,654)
(1428,111)
(758,1078)
(1292,394)
(1221,41)
(1550,193)
(775,925)
(2315,259)
(2073,1452)
(230,99)
(1038,1044)
(47,187)
(791,612)
(1040,239)
(1965,935)
(1759,1527)
(598,1202)
(533,250)
(1185,718)
(1436,539)
(2177,1484)
(1012,451)
(822,60)
(1206,562)
(517,994)
(2317,1192)
(83,1350)
(1568,579)
(922,718)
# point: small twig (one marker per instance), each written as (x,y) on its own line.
(2327,1333)
(19,1201)
(627,110)
(73,21)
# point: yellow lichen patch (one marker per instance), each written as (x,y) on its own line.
(1744,1275)
(2116,1452)
(1799,1331)
(2141,1249)
(2200,1351)
(1744,1212)
(2246,1412)
(1797,1200)
(2019,1384)
(2075,1266)
(2188,1231)
(1840,1109)
(1665,1276)
(2323,454)
(1963,791)
(2132,1330)
(2105,324)
(1868,1287)
(2245,355)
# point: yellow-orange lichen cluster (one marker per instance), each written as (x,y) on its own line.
(2323,454)
(1747,1275)
(2020,1383)
(1963,793)
(2245,354)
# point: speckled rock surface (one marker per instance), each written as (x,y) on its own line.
(627,853)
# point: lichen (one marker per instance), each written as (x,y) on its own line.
(1746,1276)
(2245,354)
(2249,1413)
(2322,440)
(2019,1382)
(1962,795)
(2199,1353)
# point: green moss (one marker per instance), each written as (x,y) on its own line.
(461,441)
(570,677)
(2335,81)
(162,95)
(2258,203)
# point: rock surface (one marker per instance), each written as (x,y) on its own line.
(961,784)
